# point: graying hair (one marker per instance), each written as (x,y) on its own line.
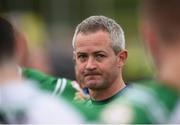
(96,23)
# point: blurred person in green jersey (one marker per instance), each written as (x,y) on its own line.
(154,101)
(57,85)
(21,102)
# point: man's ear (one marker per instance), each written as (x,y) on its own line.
(122,57)
(74,56)
(22,51)
(149,36)
(151,40)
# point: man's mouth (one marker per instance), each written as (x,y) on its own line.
(91,74)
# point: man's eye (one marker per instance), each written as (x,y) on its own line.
(100,56)
(82,57)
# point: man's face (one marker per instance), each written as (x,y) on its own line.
(96,64)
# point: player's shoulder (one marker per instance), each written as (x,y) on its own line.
(145,101)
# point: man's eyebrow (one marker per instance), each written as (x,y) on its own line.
(96,52)
(100,51)
(80,53)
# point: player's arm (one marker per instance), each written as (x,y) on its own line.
(58,86)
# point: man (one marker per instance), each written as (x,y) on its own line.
(155,102)
(20,101)
(100,54)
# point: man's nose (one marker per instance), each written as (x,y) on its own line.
(91,64)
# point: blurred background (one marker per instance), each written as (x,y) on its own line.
(48,27)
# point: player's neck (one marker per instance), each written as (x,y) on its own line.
(169,71)
(9,72)
(102,94)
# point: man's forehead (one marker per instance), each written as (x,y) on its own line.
(96,36)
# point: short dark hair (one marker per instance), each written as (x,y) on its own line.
(7,40)
(164,15)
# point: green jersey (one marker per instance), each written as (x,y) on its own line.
(98,106)
(58,86)
(61,87)
(142,103)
